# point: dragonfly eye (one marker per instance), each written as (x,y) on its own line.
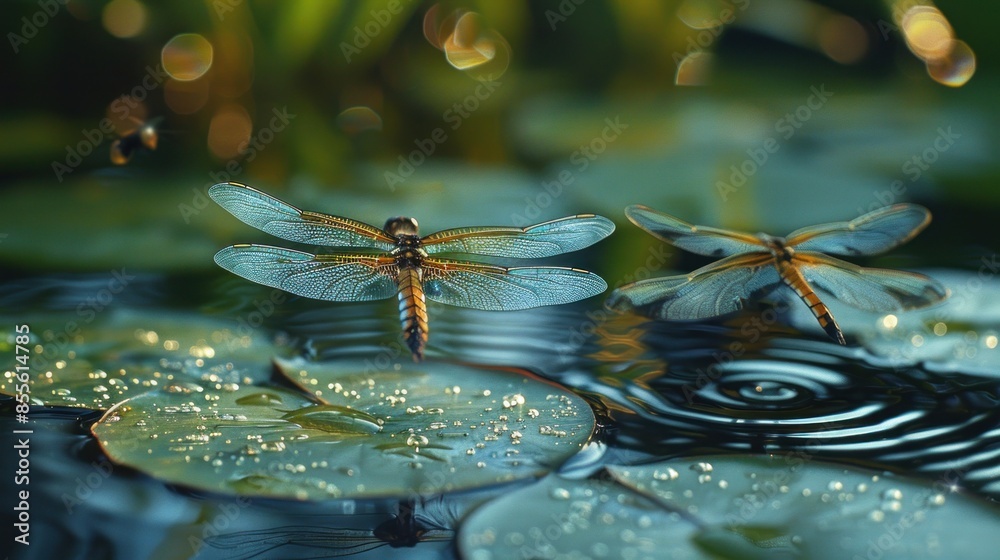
(401,225)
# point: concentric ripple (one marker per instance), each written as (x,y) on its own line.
(680,394)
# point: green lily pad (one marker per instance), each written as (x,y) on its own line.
(99,364)
(417,429)
(733,507)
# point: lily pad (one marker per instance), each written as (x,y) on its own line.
(733,507)
(102,363)
(416,429)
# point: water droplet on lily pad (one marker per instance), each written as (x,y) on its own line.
(632,514)
(119,355)
(359,441)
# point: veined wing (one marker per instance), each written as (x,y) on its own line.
(283,220)
(496,288)
(870,289)
(359,277)
(712,290)
(870,234)
(709,241)
(541,240)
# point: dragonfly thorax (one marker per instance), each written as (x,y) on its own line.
(777,246)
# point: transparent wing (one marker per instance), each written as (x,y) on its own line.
(703,240)
(327,277)
(542,240)
(870,234)
(870,289)
(283,220)
(716,289)
(496,288)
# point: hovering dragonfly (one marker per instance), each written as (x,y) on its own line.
(143,136)
(395,260)
(754,265)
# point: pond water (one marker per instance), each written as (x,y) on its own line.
(744,384)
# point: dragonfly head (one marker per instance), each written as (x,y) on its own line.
(401,225)
(778,246)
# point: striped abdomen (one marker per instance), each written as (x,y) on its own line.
(791,275)
(412,310)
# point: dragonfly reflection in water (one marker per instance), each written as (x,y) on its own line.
(396,260)
(754,265)
(407,529)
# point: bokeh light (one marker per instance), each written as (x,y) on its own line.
(703,14)
(124,18)
(842,39)
(354,120)
(483,53)
(467,43)
(956,68)
(229,131)
(185,98)
(694,69)
(187,57)
(233,67)
(927,32)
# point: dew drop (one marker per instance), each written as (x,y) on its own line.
(259,399)
(559,494)
(666,474)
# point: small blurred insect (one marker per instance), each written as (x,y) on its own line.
(401,263)
(143,136)
(755,265)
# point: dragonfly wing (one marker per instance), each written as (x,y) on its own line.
(870,289)
(870,234)
(541,240)
(709,241)
(283,220)
(496,288)
(716,289)
(328,277)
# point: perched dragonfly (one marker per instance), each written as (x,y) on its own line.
(754,265)
(143,136)
(397,261)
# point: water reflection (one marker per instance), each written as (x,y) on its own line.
(660,389)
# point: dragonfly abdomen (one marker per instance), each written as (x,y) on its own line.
(412,310)
(793,277)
